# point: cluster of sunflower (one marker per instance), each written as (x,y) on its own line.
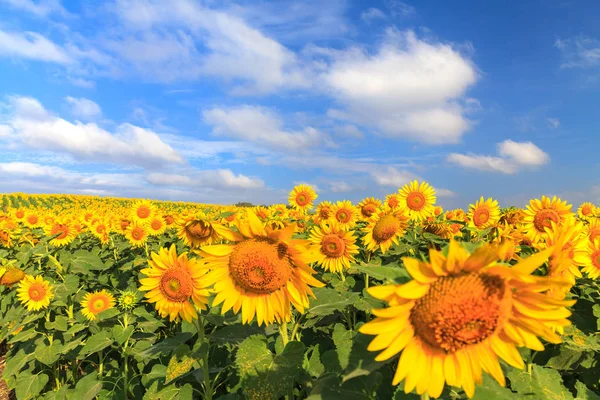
(461,313)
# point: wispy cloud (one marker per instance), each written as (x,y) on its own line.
(579,52)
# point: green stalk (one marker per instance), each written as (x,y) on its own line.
(208,389)
(283,331)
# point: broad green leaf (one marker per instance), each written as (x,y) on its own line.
(490,389)
(48,355)
(385,273)
(29,386)
(545,383)
(235,333)
(59,324)
(121,334)
(87,388)
(95,343)
(329,301)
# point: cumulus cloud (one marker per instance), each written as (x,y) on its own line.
(221,178)
(513,157)
(392,177)
(32,46)
(408,89)
(263,127)
(83,108)
(38,128)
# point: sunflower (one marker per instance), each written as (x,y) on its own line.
(94,303)
(384,229)
(198,230)
(392,201)
(157,226)
(9,275)
(32,219)
(438,210)
(143,211)
(172,281)
(262,273)
(460,314)
(417,199)
(511,216)
(19,214)
(35,293)
(331,247)
(101,229)
(592,230)
(541,213)
(64,232)
(441,229)
(137,234)
(345,214)
(484,213)
(592,269)
(6,235)
(127,300)
(368,207)
(586,210)
(323,213)
(302,197)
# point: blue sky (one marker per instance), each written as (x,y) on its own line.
(227,101)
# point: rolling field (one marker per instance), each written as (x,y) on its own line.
(390,298)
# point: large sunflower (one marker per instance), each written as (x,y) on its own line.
(417,199)
(262,273)
(302,197)
(35,293)
(331,247)
(384,229)
(94,303)
(345,214)
(541,213)
(460,314)
(172,281)
(484,213)
(368,207)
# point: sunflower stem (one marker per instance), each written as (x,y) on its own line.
(425,396)
(283,331)
(294,334)
(208,389)
(366,281)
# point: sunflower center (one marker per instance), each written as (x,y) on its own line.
(98,305)
(415,201)
(342,215)
(124,224)
(169,219)
(385,228)
(368,209)
(324,213)
(459,311)
(481,216)
(62,229)
(137,233)
(594,233)
(100,229)
(156,224)
(32,219)
(199,229)
(302,199)
(20,214)
(176,285)
(393,202)
(544,218)
(260,266)
(333,246)
(586,210)
(143,212)
(37,292)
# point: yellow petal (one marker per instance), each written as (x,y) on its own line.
(412,290)
(420,271)
(528,265)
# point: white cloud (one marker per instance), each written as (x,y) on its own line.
(399,8)
(553,122)
(408,89)
(5,131)
(392,177)
(524,153)
(83,108)
(221,178)
(441,192)
(32,46)
(38,128)
(40,9)
(372,14)
(514,155)
(81,82)
(263,127)
(348,131)
(579,52)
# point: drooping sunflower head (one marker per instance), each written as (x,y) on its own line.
(460,314)
(540,214)
(417,199)
(302,197)
(384,229)
(175,284)
(484,213)
(368,207)
(262,274)
(198,230)
(35,293)
(441,229)
(94,303)
(9,274)
(586,210)
(331,247)
(142,211)
(345,214)
(137,234)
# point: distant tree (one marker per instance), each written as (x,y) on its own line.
(244,204)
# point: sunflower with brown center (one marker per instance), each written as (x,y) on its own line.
(417,199)
(32,219)
(137,234)
(368,207)
(586,210)
(331,247)
(262,274)
(63,231)
(94,303)
(302,197)
(35,293)
(384,229)
(101,229)
(540,214)
(392,201)
(484,213)
(142,211)
(344,214)
(177,285)
(197,230)
(460,314)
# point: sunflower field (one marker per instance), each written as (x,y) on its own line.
(395,298)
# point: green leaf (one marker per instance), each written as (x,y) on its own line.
(23,336)
(329,301)
(490,389)
(108,314)
(584,393)
(29,386)
(122,334)
(95,343)
(48,355)
(167,346)
(314,366)
(543,382)
(84,262)
(235,333)
(15,363)
(87,388)
(385,273)
(253,355)
(59,324)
